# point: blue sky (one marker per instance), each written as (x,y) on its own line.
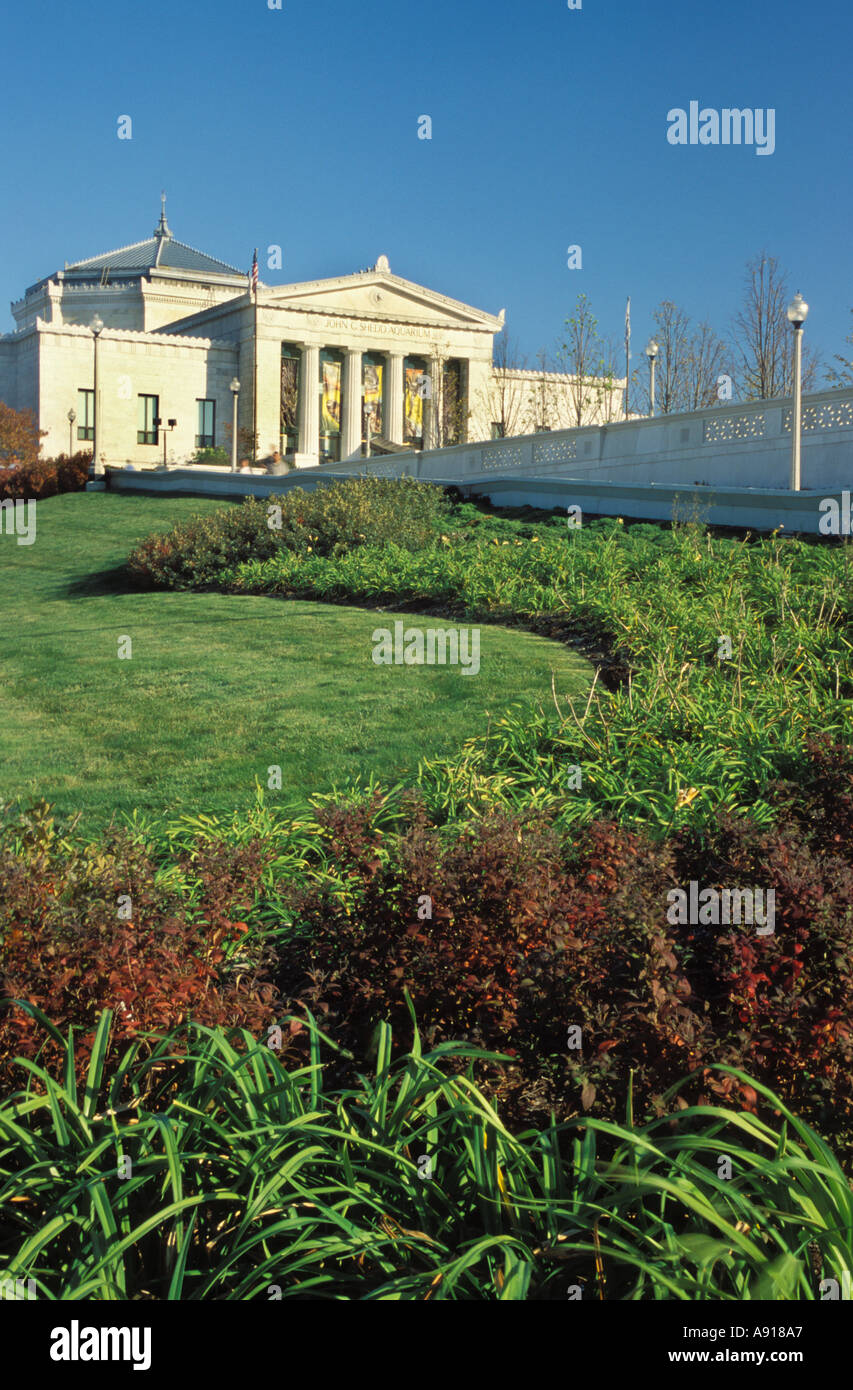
(299,127)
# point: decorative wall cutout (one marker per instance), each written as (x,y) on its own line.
(718,431)
(829,415)
(502,458)
(555,451)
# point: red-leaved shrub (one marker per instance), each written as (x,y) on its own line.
(561,954)
(42,478)
(65,949)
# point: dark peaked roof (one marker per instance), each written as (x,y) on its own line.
(160,250)
(143,256)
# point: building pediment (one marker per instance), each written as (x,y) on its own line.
(380,295)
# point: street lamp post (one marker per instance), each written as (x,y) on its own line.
(164,426)
(97,327)
(652,351)
(72,416)
(235,392)
(798,311)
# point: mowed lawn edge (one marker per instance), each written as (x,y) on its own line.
(217,688)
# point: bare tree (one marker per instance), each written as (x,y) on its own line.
(708,358)
(609,397)
(689,363)
(672,334)
(844,376)
(543,406)
(505,393)
(581,355)
(763,338)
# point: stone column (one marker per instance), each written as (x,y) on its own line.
(268,353)
(309,403)
(431,403)
(351,423)
(393,424)
(465,400)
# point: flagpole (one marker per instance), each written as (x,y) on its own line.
(255,363)
(627,351)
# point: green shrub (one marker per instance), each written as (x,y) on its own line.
(209,458)
(194,554)
(328,521)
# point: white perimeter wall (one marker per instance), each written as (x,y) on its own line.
(730,445)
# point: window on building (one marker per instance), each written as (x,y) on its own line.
(86,415)
(498,431)
(372,396)
(452,416)
(417,388)
(206,424)
(331,367)
(149,410)
(291,366)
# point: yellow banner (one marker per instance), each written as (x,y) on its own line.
(413,403)
(331,407)
(372,386)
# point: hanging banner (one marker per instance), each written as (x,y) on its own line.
(372,387)
(289,393)
(413,404)
(331,408)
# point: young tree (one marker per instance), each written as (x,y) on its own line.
(609,398)
(505,393)
(20,439)
(763,337)
(247,442)
(543,406)
(581,354)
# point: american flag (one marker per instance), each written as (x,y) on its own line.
(253,278)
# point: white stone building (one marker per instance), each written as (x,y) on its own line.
(322,365)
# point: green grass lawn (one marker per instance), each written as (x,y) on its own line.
(218,687)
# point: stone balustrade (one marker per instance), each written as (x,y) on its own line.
(746,445)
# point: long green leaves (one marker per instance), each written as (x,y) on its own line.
(247,1180)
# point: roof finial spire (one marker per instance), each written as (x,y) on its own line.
(162,229)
